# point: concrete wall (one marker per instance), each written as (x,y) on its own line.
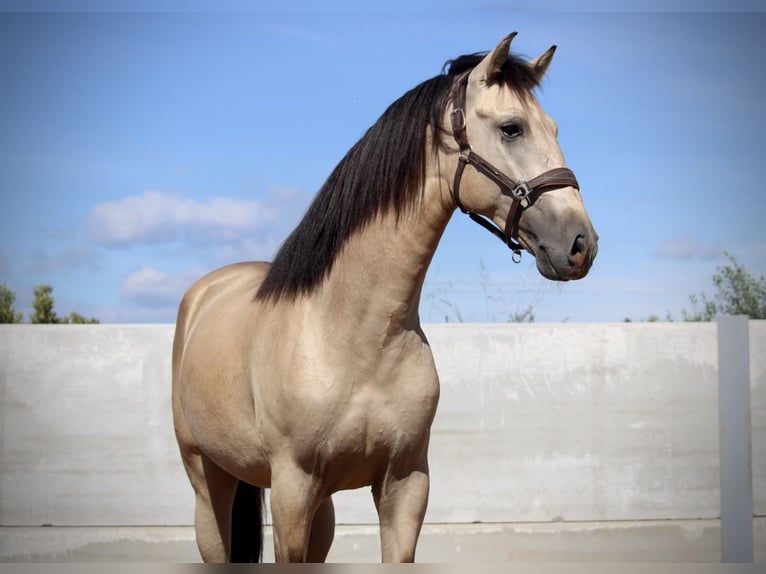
(567,441)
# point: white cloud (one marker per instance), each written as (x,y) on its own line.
(151,288)
(687,247)
(245,249)
(157,233)
(159,217)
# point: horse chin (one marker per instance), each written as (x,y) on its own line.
(558,268)
(545,266)
(547,269)
(558,264)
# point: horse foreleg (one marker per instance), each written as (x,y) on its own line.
(322,532)
(401,502)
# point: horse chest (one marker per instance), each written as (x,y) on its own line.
(370,436)
(354,422)
(391,420)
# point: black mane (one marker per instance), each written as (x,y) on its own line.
(383,171)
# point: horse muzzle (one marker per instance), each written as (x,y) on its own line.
(567,259)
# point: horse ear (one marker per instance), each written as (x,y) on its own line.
(493,62)
(540,64)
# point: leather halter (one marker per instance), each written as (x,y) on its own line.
(523,193)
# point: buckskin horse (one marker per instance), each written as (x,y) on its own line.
(312,374)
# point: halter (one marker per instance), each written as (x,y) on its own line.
(523,193)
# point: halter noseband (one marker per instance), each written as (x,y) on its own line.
(523,193)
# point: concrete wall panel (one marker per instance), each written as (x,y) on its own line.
(540,423)
(87,436)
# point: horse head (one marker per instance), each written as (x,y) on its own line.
(520,181)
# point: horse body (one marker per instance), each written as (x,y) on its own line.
(332,385)
(349,364)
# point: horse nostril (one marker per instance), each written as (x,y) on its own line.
(579,245)
(578,252)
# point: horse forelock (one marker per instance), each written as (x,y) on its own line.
(383,172)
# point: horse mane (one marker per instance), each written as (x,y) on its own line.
(383,171)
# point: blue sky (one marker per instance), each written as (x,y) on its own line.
(140,150)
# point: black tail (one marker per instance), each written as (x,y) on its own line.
(247,524)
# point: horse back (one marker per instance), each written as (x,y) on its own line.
(211,288)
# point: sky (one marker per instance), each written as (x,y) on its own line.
(140,150)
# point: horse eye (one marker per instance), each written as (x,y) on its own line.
(511,130)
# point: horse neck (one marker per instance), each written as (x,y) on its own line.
(378,277)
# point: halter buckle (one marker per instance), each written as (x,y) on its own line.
(521,192)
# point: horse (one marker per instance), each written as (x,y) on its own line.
(312,374)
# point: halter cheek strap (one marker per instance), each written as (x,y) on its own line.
(522,193)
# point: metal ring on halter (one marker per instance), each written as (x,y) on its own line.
(516,257)
(463,154)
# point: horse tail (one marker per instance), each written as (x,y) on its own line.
(247,523)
